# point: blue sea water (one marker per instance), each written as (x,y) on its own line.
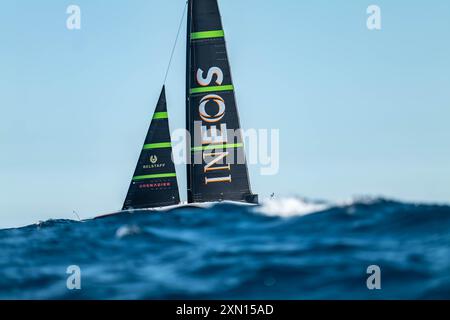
(284,249)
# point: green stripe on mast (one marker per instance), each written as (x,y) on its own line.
(155,176)
(160,145)
(212,89)
(160,115)
(207,34)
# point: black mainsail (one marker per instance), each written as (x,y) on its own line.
(217,170)
(154,182)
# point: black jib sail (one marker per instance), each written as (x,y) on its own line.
(218,169)
(154,183)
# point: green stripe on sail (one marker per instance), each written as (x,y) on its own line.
(207,34)
(218,146)
(212,89)
(160,115)
(160,145)
(155,176)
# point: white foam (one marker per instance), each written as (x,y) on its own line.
(126,230)
(290,207)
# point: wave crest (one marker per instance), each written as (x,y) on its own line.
(290,207)
(127,230)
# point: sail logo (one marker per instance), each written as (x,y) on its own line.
(220,112)
(210,133)
(214,71)
(153,159)
(153,163)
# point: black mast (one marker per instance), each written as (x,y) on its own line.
(188,86)
(154,182)
(218,169)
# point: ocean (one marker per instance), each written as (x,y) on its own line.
(284,249)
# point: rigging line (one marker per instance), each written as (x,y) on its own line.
(176,41)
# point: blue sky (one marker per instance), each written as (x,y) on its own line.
(360,112)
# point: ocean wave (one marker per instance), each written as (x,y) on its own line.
(290,207)
(286,248)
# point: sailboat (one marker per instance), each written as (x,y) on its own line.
(154,183)
(216,170)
